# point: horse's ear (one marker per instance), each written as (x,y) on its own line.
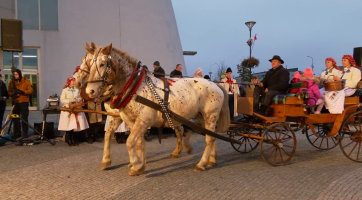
(86,45)
(107,50)
(93,45)
(90,50)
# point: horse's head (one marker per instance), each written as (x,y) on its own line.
(109,65)
(85,67)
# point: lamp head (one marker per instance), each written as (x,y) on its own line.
(250,24)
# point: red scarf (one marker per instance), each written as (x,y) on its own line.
(229,80)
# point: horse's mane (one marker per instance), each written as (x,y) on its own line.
(125,55)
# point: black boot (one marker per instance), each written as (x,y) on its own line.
(74,138)
(89,136)
(120,137)
(68,136)
(263,109)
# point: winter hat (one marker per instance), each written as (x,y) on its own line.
(308,73)
(207,77)
(297,75)
(351,60)
(70,79)
(156,63)
(334,63)
(228,70)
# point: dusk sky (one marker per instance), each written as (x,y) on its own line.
(291,29)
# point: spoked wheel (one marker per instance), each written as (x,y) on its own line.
(278,144)
(322,142)
(249,144)
(351,137)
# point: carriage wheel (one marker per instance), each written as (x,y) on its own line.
(351,137)
(322,142)
(278,144)
(249,144)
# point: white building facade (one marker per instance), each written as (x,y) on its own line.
(55,32)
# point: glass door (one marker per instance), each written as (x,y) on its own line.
(28,62)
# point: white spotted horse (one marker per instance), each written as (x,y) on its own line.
(188,98)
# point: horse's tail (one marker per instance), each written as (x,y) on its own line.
(224,117)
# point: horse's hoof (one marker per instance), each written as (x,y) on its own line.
(132,172)
(199,169)
(173,156)
(211,164)
(105,165)
(129,165)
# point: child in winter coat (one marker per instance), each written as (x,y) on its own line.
(312,89)
(295,79)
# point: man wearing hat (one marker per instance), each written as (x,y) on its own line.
(158,71)
(233,91)
(275,82)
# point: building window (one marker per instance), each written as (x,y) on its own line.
(34,19)
(27,62)
(49,14)
(28,12)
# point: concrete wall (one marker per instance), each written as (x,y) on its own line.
(147,30)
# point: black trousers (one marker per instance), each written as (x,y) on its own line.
(231,106)
(21,109)
(270,95)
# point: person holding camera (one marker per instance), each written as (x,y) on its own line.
(19,90)
(3,97)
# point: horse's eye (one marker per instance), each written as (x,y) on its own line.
(102,65)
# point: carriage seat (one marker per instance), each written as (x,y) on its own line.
(280,99)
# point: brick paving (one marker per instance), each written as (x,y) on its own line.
(61,172)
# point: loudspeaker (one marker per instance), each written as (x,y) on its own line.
(48,129)
(357,55)
(12,35)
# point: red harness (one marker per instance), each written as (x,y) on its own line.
(134,90)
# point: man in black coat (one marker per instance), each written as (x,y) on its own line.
(276,82)
(3,97)
(177,73)
(158,70)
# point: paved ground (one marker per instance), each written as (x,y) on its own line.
(61,172)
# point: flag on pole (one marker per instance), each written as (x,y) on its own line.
(255,37)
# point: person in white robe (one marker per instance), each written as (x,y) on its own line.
(71,122)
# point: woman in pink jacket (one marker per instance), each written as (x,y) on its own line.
(312,89)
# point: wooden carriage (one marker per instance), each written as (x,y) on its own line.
(276,137)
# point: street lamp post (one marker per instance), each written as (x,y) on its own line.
(312,63)
(250,25)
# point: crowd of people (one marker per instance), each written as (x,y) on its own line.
(275,82)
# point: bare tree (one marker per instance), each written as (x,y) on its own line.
(221,68)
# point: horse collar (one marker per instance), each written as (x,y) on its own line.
(122,99)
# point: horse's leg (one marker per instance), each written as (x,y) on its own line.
(213,155)
(210,124)
(136,148)
(179,130)
(187,145)
(113,125)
